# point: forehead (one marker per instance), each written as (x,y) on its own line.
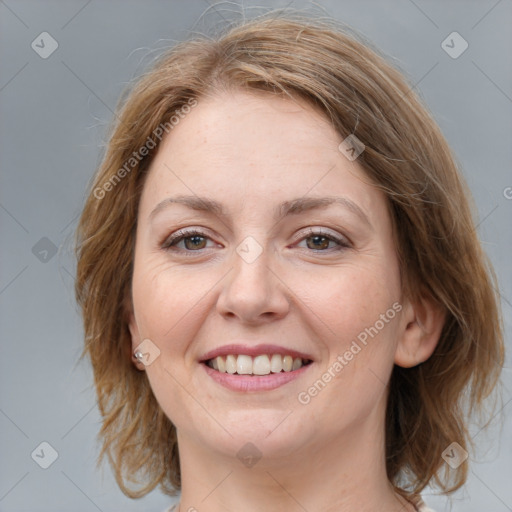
(249,150)
(253,126)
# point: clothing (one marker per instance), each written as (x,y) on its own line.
(418,503)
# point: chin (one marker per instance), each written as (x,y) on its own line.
(259,429)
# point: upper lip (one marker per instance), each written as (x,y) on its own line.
(253,350)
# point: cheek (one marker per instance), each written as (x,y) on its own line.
(354,316)
(167,299)
(357,313)
(170,305)
(350,298)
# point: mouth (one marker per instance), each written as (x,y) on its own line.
(255,366)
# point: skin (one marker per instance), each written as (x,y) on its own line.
(251,152)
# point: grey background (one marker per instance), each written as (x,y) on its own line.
(53,116)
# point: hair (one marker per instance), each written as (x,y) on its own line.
(406,156)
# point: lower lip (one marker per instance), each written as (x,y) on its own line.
(254,383)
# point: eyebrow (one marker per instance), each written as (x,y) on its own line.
(291,207)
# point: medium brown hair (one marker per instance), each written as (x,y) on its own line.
(406,156)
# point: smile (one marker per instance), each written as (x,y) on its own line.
(263,364)
(247,367)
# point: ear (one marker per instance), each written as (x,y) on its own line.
(423,323)
(134,331)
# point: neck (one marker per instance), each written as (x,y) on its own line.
(342,473)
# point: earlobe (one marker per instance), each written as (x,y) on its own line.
(423,324)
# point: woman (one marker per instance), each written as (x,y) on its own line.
(285,302)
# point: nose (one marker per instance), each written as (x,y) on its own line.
(252,292)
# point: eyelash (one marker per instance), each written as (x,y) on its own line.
(182,234)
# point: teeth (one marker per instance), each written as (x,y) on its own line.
(231,364)
(276,363)
(244,365)
(260,365)
(221,364)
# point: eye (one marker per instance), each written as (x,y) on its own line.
(319,240)
(193,240)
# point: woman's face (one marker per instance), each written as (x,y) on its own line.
(264,270)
